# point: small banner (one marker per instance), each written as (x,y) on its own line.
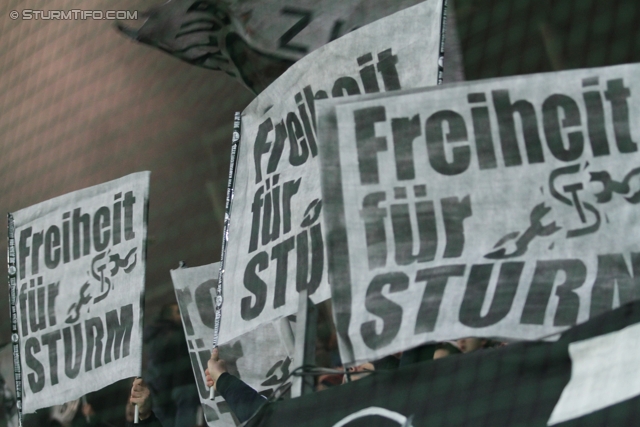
(76,272)
(259,358)
(524,384)
(503,208)
(276,245)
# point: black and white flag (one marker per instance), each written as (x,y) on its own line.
(500,208)
(76,271)
(276,245)
(261,358)
(255,41)
(588,378)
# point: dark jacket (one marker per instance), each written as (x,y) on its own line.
(169,365)
(242,399)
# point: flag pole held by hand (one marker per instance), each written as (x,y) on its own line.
(212,389)
(136,412)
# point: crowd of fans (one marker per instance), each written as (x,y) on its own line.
(167,395)
(244,401)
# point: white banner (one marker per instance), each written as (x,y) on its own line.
(78,264)
(260,358)
(501,208)
(276,243)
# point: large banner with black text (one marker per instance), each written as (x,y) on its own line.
(276,245)
(500,208)
(588,378)
(76,271)
(261,358)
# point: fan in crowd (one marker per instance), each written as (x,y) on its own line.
(244,401)
(168,373)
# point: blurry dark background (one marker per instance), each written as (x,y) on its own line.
(80,105)
(507,37)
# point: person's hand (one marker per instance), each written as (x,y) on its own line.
(359,372)
(87,411)
(141,396)
(215,368)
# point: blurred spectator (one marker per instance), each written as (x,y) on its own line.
(243,400)
(169,374)
(141,395)
(327,354)
(388,363)
(8,407)
(328,380)
(445,349)
(419,354)
(89,415)
(467,345)
(358,372)
(63,415)
(440,350)
(82,412)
